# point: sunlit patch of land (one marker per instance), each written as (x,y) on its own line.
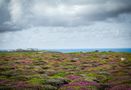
(65,71)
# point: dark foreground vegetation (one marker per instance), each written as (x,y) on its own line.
(65,71)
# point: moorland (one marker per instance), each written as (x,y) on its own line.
(65,71)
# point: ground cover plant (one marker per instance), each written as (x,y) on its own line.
(65,71)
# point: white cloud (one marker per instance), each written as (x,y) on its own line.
(99,35)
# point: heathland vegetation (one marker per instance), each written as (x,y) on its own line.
(43,70)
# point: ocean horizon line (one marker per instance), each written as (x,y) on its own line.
(92,49)
(63,50)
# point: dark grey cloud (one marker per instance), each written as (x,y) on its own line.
(4,15)
(67,13)
(4,12)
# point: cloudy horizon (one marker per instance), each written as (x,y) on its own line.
(47,24)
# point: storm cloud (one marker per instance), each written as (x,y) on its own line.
(65,16)
(27,13)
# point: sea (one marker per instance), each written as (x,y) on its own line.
(82,50)
(92,50)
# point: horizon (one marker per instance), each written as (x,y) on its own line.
(72,50)
(60,48)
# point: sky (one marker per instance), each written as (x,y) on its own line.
(67,24)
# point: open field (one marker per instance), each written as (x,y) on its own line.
(65,71)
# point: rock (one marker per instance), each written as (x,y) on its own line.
(122,59)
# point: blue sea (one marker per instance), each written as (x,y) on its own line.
(94,49)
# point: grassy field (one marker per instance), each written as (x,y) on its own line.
(65,71)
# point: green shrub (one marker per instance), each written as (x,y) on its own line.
(56,82)
(36,81)
(59,75)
